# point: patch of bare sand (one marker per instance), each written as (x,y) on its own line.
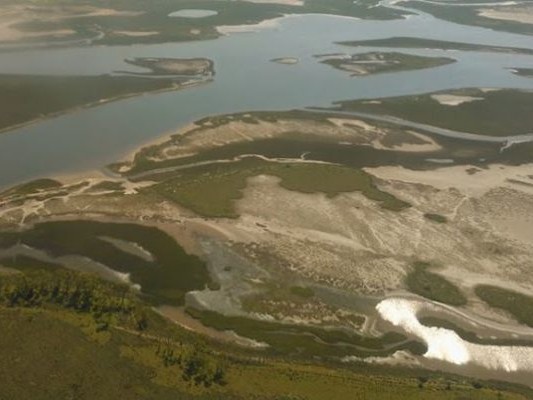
(453,100)
(468,180)
(231,29)
(520,14)
(136,33)
(13,15)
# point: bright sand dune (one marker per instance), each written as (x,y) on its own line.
(446,345)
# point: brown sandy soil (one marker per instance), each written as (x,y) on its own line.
(13,15)
(347,241)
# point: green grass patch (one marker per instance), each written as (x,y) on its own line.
(517,304)
(433,286)
(25,98)
(505,112)
(421,43)
(32,187)
(441,219)
(302,291)
(212,190)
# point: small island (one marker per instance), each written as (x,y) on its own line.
(286,60)
(174,66)
(378,62)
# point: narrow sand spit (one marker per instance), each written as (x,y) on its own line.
(136,33)
(523,15)
(453,100)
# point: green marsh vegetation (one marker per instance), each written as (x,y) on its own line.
(166,279)
(441,219)
(421,43)
(432,286)
(519,305)
(212,190)
(307,341)
(503,112)
(26,98)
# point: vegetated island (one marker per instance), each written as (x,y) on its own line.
(484,111)
(407,42)
(378,62)
(175,66)
(27,98)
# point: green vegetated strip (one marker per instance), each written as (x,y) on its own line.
(527,72)
(441,219)
(212,190)
(379,63)
(165,280)
(517,304)
(433,286)
(421,43)
(471,336)
(25,98)
(503,112)
(308,341)
(32,187)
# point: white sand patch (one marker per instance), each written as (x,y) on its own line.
(267,24)
(136,33)
(523,15)
(458,177)
(453,100)
(446,345)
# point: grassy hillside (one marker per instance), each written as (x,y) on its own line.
(51,350)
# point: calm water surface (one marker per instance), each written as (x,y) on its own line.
(245,81)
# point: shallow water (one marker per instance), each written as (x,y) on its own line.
(193,13)
(245,80)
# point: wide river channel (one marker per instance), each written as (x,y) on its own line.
(246,80)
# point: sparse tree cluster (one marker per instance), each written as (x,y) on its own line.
(198,366)
(72,290)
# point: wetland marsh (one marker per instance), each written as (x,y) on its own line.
(271,226)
